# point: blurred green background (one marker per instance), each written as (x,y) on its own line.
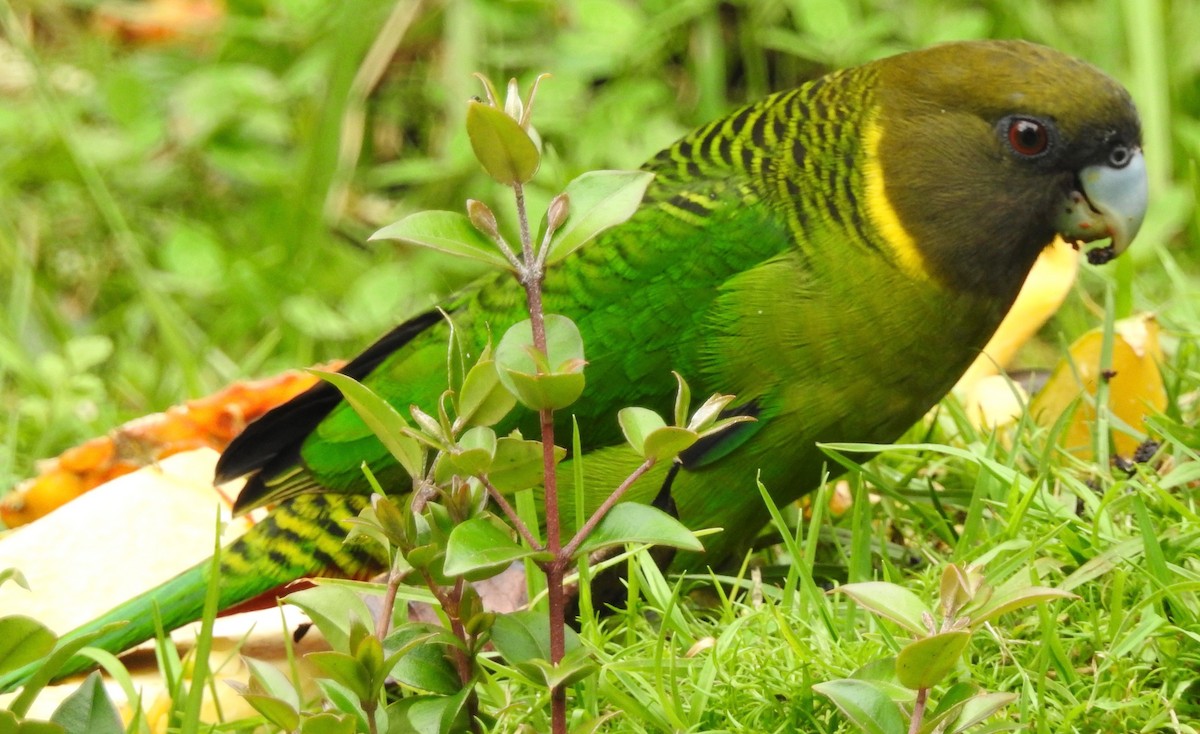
(187,188)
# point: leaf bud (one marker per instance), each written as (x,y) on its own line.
(482,218)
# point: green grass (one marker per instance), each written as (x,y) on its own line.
(167,226)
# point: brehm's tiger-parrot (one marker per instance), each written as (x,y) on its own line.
(835,256)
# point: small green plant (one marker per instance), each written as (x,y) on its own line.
(876,698)
(444,532)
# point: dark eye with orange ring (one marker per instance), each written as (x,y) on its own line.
(1028,137)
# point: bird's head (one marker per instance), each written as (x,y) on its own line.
(987,150)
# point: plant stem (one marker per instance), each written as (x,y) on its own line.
(449,600)
(462,660)
(554,574)
(587,528)
(510,512)
(372,727)
(531,279)
(389,604)
(918,711)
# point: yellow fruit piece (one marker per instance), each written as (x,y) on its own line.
(37,497)
(1135,384)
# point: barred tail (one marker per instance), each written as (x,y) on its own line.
(300,537)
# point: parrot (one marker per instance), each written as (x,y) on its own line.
(835,256)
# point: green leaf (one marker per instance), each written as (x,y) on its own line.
(958,588)
(369,653)
(273,682)
(343,699)
(327,723)
(345,670)
(275,710)
(428,714)
(976,709)
(484,400)
(881,672)
(668,442)
(391,520)
(1016,599)
(948,704)
(88,710)
(519,371)
(683,400)
(22,641)
(63,652)
(546,392)
(506,151)
(517,464)
(707,414)
(864,704)
(10,724)
(448,232)
(524,636)
(925,662)
(14,575)
(477,549)
(633,522)
(574,667)
(890,601)
(384,421)
(432,427)
(637,424)
(425,666)
(471,457)
(479,438)
(598,200)
(366,526)
(331,607)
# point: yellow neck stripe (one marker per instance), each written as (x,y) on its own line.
(903,247)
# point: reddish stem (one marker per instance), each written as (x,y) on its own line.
(914,726)
(531,279)
(587,528)
(389,604)
(449,602)
(511,513)
(554,573)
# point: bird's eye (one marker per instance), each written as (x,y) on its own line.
(1028,137)
(1120,156)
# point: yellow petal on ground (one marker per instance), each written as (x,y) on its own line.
(1043,292)
(1136,387)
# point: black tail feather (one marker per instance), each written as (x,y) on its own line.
(274,440)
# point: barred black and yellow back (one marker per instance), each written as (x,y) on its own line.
(797,150)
